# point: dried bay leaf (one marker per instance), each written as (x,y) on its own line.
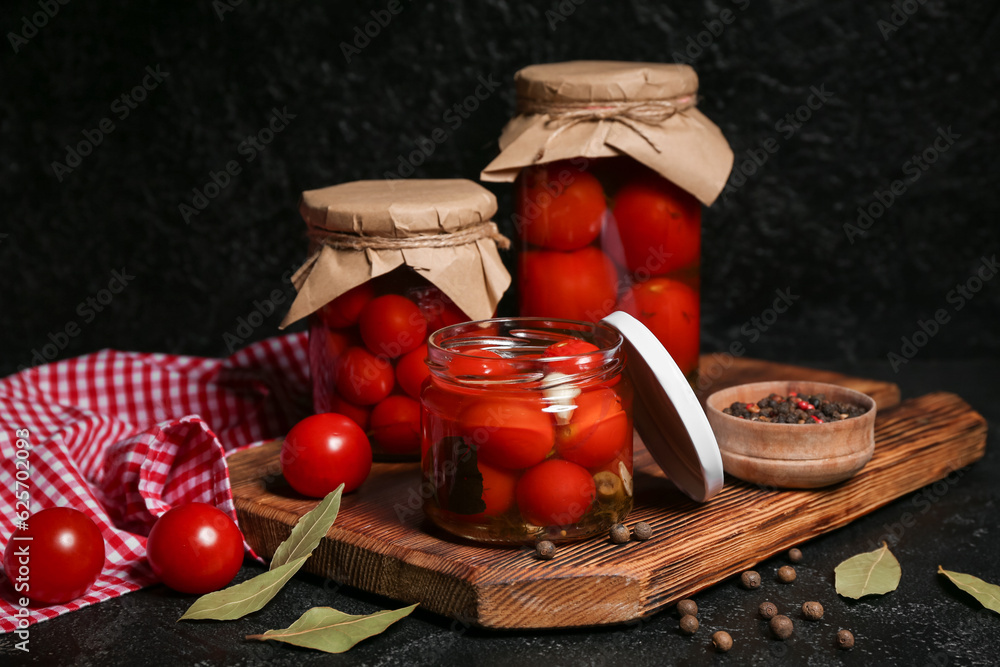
(309,531)
(326,629)
(986,593)
(872,573)
(250,596)
(242,599)
(462,478)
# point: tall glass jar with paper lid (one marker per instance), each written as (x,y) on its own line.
(612,162)
(389,263)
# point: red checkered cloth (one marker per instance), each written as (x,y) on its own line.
(124,436)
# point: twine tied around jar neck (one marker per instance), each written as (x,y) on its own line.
(351,241)
(564,115)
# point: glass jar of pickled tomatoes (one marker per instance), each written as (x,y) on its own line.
(605,234)
(366,356)
(526,430)
(612,162)
(391,262)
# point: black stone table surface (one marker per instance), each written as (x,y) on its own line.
(926,621)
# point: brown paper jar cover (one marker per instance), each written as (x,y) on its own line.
(471,274)
(606,109)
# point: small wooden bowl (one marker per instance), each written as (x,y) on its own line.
(795,456)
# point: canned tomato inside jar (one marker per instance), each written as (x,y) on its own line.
(526,430)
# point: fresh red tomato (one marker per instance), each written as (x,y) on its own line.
(559,206)
(411,371)
(581,356)
(359,414)
(509,433)
(467,364)
(346,308)
(362,378)
(322,452)
(597,431)
(659,224)
(56,558)
(555,493)
(396,425)
(392,325)
(671,310)
(195,548)
(577,285)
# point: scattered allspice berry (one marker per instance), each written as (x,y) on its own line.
(687,608)
(722,641)
(786,574)
(750,579)
(795,555)
(768,610)
(782,626)
(845,640)
(689,624)
(813,611)
(545,550)
(642,531)
(619,533)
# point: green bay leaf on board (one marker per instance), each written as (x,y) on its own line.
(309,530)
(986,593)
(245,598)
(326,629)
(872,573)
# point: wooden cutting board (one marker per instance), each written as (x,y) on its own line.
(381,542)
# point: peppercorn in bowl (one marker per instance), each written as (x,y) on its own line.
(792,434)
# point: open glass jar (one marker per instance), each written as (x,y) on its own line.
(612,161)
(526,430)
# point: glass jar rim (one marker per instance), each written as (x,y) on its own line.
(611,347)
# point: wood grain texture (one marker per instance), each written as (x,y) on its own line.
(382,543)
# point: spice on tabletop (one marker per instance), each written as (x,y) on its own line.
(750,579)
(812,610)
(722,641)
(689,624)
(782,626)
(687,607)
(768,610)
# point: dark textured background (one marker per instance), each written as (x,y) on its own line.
(783,228)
